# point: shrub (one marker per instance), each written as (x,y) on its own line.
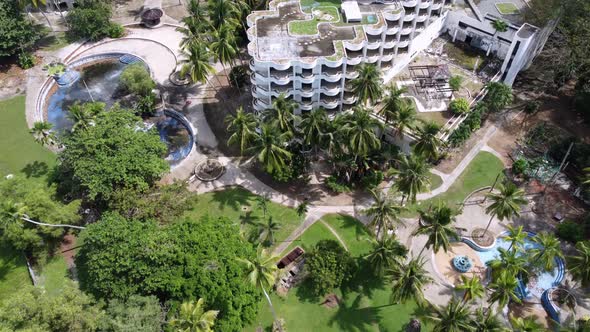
(335,185)
(91,19)
(239,75)
(136,80)
(520,166)
(570,231)
(329,265)
(26,60)
(16,32)
(372,180)
(459,106)
(116,30)
(455,82)
(146,105)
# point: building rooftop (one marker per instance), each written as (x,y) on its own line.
(508,10)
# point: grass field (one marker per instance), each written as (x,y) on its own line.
(240,206)
(365,302)
(311,27)
(465,57)
(13,272)
(507,8)
(54,275)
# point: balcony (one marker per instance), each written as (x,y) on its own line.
(422,18)
(281,74)
(389,52)
(278,89)
(403,42)
(425,3)
(371,39)
(409,17)
(259,104)
(392,16)
(331,72)
(407,29)
(402,50)
(409,3)
(385,65)
(329,102)
(354,54)
(390,39)
(435,12)
(420,27)
(349,98)
(331,89)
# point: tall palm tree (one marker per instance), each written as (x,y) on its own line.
(223,11)
(527,324)
(42,133)
(488,321)
(282,115)
(243,128)
(510,261)
(196,63)
(506,203)
(262,203)
(386,254)
(270,148)
(503,289)
(427,143)
(472,287)
(360,128)
(548,251)
(392,102)
(516,237)
(193,317)
(437,224)
(368,85)
(412,176)
(384,213)
(405,118)
(408,281)
(224,46)
(579,264)
(196,24)
(81,115)
(454,317)
(12,212)
(313,127)
(267,231)
(262,273)
(499,26)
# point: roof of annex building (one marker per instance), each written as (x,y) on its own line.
(289,31)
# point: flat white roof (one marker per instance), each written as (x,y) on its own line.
(351,11)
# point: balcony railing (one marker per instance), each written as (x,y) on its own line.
(281,74)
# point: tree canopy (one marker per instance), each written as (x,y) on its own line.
(328,265)
(16,33)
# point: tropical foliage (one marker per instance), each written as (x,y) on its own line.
(328,265)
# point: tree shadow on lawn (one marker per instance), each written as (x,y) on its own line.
(234,198)
(355,318)
(36,169)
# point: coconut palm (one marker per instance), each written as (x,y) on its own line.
(243,128)
(313,127)
(282,114)
(408,281)
(270,148)
(224,46)
(506,203)
(262,203)
(405,118)
(499,26)
(516,237)
(13,212)
(360,128)
(196,63)
(548,251)
(384,213)
(437,223)
(579,264)
(428,143)
(261,271)
(195,23)
(192,317)
(488,321)
(412,176)
(386,254)
(223,12)
(454,317)
(503,289)
(266,231)
(368,85)
(42,133)
(392,102)
(83,115)
(527,324)
(472,287)
(498,96)
(510,261)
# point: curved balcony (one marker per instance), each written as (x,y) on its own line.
(259,104)
(392,30)
(407,30)
(409,3)
(436,6)
(306,93)
(402,50)
(373,59)
(404,42)
(409,17)
(420,27)
(387,57)
(281,75)
(373,40)
(352,74)
(374,46)
(392,15)
(329,102)
(276,90)
(390,42)
(306,105)
(354,61)
(353,46)
(259,92)
(349,98)
(425,4)
(422,18)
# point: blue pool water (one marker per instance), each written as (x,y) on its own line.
(538,283)
(371,18)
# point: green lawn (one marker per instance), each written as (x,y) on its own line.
(311,27)
(481,172)
(435,181)
(54,275)
(507,8)
(307,4)
(18,150)
(240,206)
(466,57)
(365,306)
(13,272)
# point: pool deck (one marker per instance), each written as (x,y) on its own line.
(443,265)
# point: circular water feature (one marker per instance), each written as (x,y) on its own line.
(462,263)
(98,79)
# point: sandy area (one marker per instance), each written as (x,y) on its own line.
(446,269)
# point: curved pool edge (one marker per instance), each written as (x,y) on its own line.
(191,130)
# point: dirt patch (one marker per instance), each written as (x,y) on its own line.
(12,80)
(456,155)
(331,301)
(68,250)
(482,238)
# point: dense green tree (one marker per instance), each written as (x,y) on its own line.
(498,96)
(503,289)
(42,133)
(459,106)
(437,223)
(360,130)
(428,142)
(384,213)
(455,82)
(282,115)
(392,102)
(409,281)
(90,19)
(242,127)
(193,317)
(196,63)
(313,127)
(387,252)
(511,261)
(412,176)
(137,313)
(16,33)
(196,23)
(112,155)
(368,86)
(516,236)
(328,265)
(33,309)
(223,12)
(454,317)
(579,264)
(270,149)
(224,46)
(506,203)
(136,79)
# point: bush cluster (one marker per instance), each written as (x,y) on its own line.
(470,124)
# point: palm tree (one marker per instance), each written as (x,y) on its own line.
(42,133)
(510,261)
(386,254)
(313,127)
(35,4)
(437,224)
(359,128)
(427,143)
(384,213)
(454,317)
(270,148)
(412,176)
(262,273)
(487,321)
(527,324)
(282,114)
(11,212)
(499,26)
(262,203)
(405,118)
(243,128)
(368,85)
(579,264)
(223,12)
(516,237)
(392,102)
(266,231)
(506,203)
(503,289)
(196,24)
(548,251)
(302,208)
(193,317)
(196,63)
(81,115)
(498,96)
(409,280)
(472,287)
(224,46)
